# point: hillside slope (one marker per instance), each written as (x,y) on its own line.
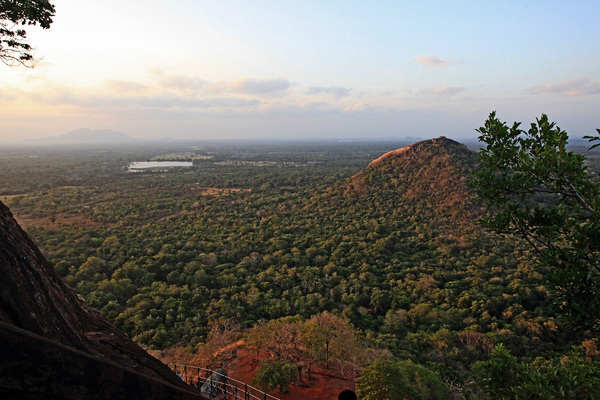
(396,250)
(429,178)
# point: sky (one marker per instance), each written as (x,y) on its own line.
(193,69)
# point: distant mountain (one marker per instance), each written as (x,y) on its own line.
(88,136)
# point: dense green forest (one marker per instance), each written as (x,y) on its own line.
(266,232)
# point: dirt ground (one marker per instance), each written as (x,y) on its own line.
(320,386)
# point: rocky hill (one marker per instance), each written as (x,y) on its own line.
(55,345)
(430,176)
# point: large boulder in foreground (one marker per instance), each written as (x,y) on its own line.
(54,345)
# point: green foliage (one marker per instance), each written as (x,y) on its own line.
(399,380)
(273,374)
(593,139)
(14,48)
(539,190)
(382,380)
(569,377)
(165,254)
(501,376)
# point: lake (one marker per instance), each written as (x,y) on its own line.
(139,166)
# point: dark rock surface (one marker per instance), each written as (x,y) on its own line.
(35,299)
(34,367)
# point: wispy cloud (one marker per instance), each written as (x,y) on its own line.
(574,87)
(296,109)
(197,86)
(337,91)
(5,95)
(443,91)
(358,107)
(181,82)
(212,102)
(94,99)
(125,86)
(431,61)
(251,86)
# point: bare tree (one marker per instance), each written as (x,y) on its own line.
(221,335)
(286,342)
(258,338)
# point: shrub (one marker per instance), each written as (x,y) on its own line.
(399,380)
(273,374)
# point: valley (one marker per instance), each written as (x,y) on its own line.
(261,240)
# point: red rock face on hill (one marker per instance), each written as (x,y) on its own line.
(43,317)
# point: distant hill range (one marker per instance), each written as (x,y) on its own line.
(88,136)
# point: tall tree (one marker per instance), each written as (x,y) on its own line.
(534,187)
(14,14)
(329,337)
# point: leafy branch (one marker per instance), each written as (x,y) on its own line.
(14,49)
(535,188)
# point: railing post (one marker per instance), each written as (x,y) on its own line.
(233,391)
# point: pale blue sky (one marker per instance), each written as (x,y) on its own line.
(306,69)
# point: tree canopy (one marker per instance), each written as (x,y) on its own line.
(14,14)
(200,255)
(536,188)
(402,380)
(571,376)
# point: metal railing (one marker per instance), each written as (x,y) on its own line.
(218,385)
